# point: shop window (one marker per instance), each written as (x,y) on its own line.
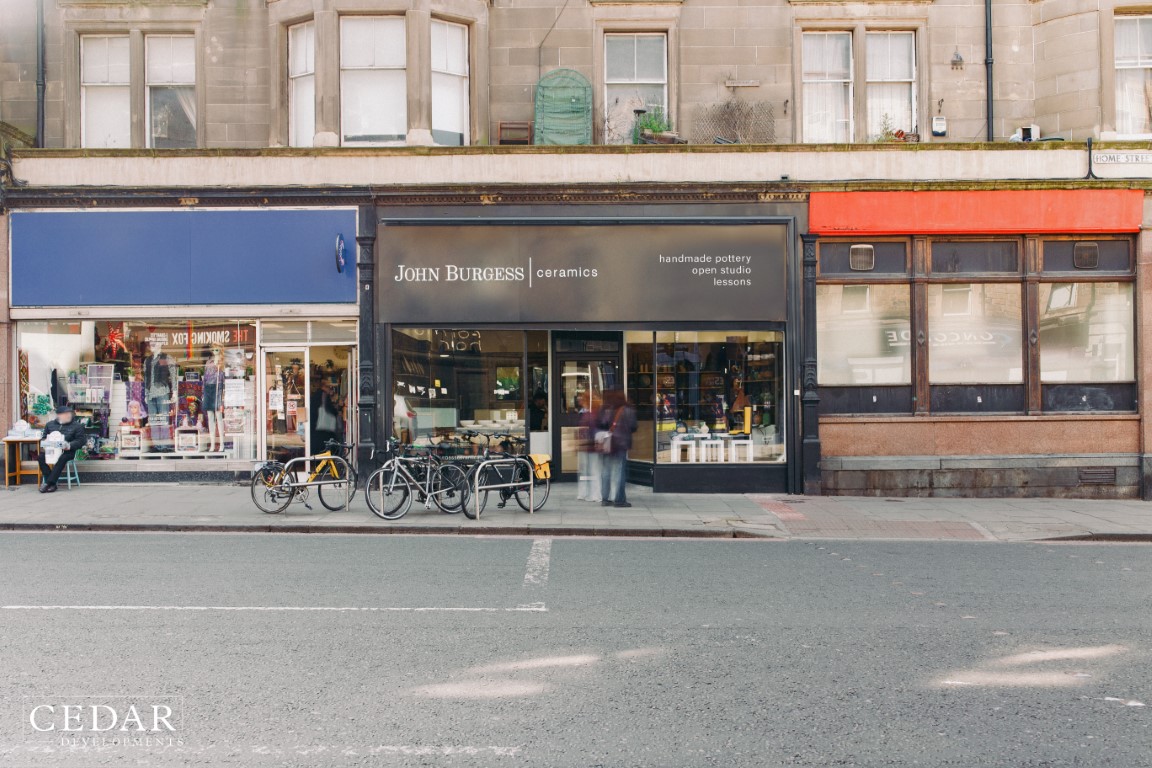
(969,257)
(106,103)
(863,335)
(450,114)
(1133,46)
(716,395)
(640,357)
(1086,332)
(635,77)
(373,85)
(171,91)
(891,83)
(1094,255)
(171,389)
(302,84)
(849,259)
(448,380)
(975,333)
(827,87)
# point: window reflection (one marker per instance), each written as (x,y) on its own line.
(974,332)
(863,334)
(1086,332)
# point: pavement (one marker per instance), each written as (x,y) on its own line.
(222,508)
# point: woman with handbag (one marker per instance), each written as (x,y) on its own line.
(613,439)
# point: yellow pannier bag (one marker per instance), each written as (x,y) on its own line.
(543,464)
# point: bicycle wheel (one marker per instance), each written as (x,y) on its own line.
(449,488)
(388,492)
(469,505)
(332,496)
(540,490)
(267,492)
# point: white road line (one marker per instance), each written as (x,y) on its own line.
(539,561)
(530,607)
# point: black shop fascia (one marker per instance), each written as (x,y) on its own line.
(524,321)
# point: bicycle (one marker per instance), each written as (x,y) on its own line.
(514,471)
(389,490)
(274,486)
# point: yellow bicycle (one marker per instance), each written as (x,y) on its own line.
(276,484)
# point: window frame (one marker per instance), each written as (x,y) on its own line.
(870,80)
(342,68)
(290,80)
(606,82)
(84,86)
(850,81)
(465,76)
(1117,20)
(1032,392)
(194,85)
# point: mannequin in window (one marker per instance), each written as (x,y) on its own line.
(158,391)
(212,402)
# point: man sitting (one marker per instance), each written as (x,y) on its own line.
(74,438)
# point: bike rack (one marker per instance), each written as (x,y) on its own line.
(347,474)
(510,461)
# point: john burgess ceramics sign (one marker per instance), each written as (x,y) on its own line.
(564,273)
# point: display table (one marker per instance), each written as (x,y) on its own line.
(14,448)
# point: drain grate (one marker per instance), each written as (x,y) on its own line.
(1098,476)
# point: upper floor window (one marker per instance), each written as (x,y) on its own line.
(831,82)
(450,115)
(635,77)
(891,78)
(105,95)
(827,59)
(373,87)
(170,75)
(1133,75)
(302,84)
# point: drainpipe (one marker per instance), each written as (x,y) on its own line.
(41,73)
(988,67)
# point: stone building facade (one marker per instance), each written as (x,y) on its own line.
(949,316)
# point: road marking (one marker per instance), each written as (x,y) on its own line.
(445,750)
(539,561)
(526,607)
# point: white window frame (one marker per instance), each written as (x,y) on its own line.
(148,85)
(85,86)
(308,30)
(871,79)
(388,67)
(850,79)
(1141,63)
(462,75)
(662,83)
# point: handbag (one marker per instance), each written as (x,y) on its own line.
(603,438)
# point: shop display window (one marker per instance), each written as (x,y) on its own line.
(144,389)
(449,380)
(708,396)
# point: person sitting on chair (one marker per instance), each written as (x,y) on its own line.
(74,438)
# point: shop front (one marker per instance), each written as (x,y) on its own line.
(527,323)
(190,341)
(979,342)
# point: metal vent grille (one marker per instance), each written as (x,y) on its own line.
(1086,255)
(862,258)
(1098,476)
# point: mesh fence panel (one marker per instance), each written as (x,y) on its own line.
(735,122)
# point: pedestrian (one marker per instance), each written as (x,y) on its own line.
(325,416)
(588,488)
(616,423)
(74,439)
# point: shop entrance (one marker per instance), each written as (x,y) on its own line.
(585,367)
(308,399)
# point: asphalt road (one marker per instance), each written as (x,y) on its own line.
(455,651)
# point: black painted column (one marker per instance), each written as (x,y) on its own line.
(810,394)
(366,276)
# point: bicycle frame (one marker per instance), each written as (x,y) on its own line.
(423,486)
(509,461)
